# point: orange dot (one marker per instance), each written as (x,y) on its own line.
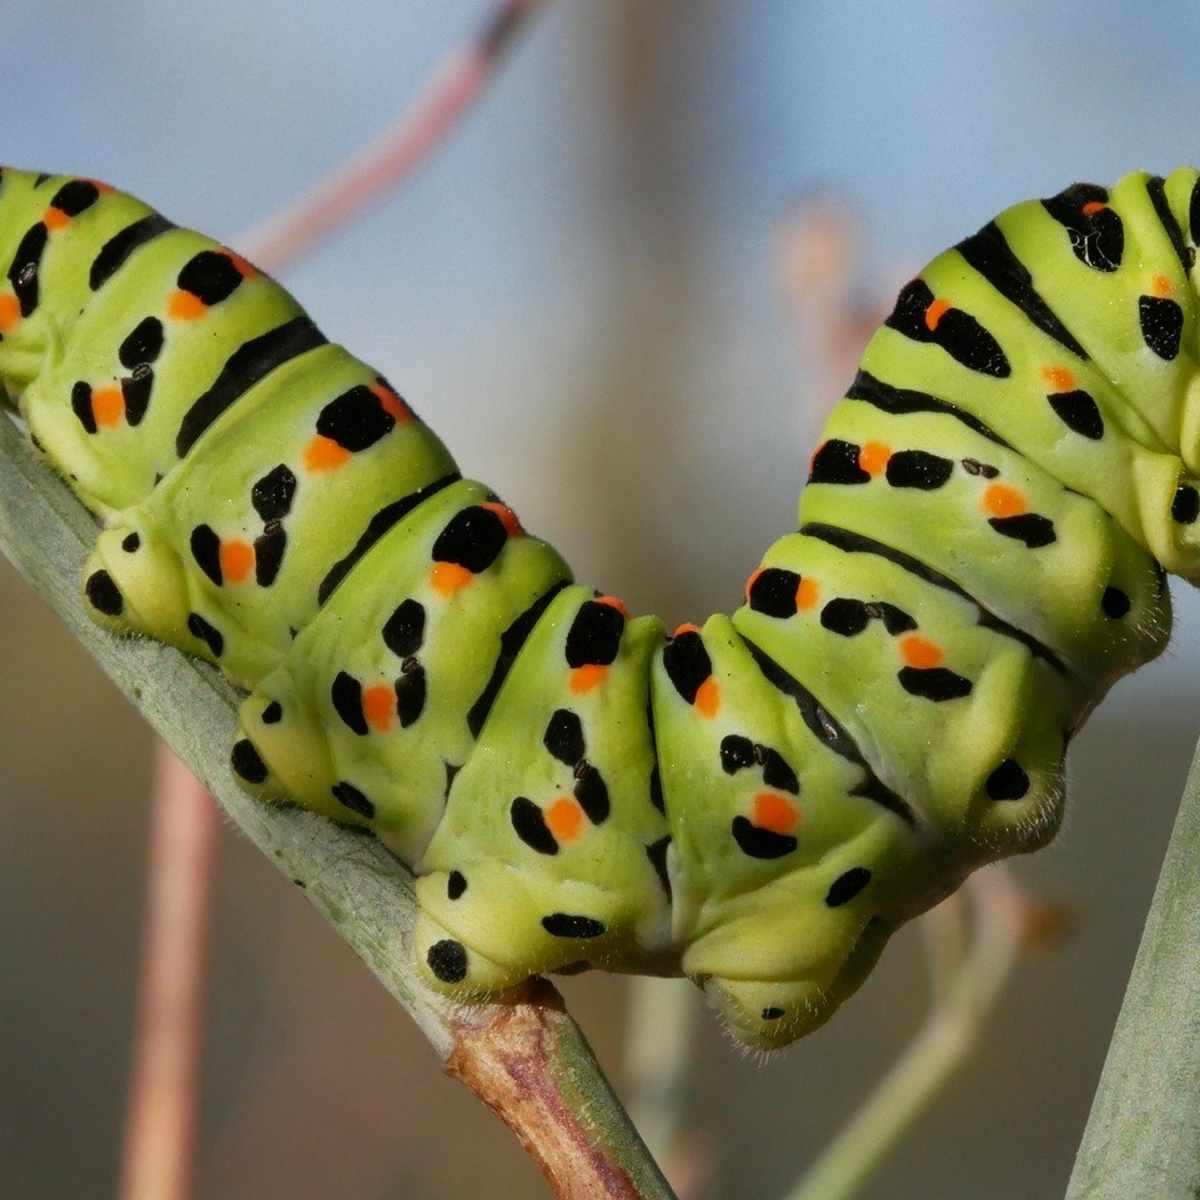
(246,269)
(446,578)
(1092,207)
(873,457)
(108,407)
(508,518)
(807,593)
(750,582)
(237,560)
(100,186)
(324,454)
(1058,378)
(1160,285)
(185,306)
(774,812)
(379,706)
(920,652)
(935,312)
(587,677)
(1004,501)
(708,698)
(54,218)
(614,602)
(392,404)
(565,819)
(686,627)
(10,312)
(812,458)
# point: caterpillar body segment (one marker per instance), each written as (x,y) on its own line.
(757,802)
(376,709)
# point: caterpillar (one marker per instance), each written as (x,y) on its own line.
(757,803)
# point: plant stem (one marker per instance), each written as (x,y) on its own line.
(396,153)
(1143,1135)
(660,1044)
(161,1126)
(948,1036)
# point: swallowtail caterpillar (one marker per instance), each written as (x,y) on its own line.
(757,803)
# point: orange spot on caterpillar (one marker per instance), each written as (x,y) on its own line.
(1092,207)
(614,602)
(508,518)
(1003,501)
(100,186)
(587,677)
(750,582)
(812,458)
(446,578)
(708,698)
(807,593)
(920,652)
(565,819)
(686,627)
(379,706)
(774,812)
(108,407)
(873,457)
(392,404)
(1058,378)
(246,269)
(54,218)
(935,312)
(324,454)
(10,312)
(1160,285)
(237,560)
(185,306)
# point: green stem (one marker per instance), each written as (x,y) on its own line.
(946,1039)
(1143,1134)
(527,1060)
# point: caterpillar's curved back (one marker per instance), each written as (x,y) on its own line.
(757,803)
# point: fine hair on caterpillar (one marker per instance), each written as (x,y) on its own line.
(756,802)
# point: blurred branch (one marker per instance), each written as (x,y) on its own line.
(454,87)
(962,1004)
(527,1060)
(161,1126)
(1143,1134)
(660,1050)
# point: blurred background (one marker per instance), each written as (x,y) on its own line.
(588,294)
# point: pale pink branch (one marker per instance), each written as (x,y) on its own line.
(161,1125)
(820,249)
(397,152)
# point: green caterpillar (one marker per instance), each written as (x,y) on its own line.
(758,803)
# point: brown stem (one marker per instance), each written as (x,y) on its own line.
(161,1126)
(454,87)
(523,1062)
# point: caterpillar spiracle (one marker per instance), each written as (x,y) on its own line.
(757,803)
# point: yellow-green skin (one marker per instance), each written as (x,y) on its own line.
(756,804)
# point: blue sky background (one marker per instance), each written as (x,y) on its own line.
(581,293)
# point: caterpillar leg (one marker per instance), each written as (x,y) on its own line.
(279,751)
(483,930)
(133,584)
(775,973)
